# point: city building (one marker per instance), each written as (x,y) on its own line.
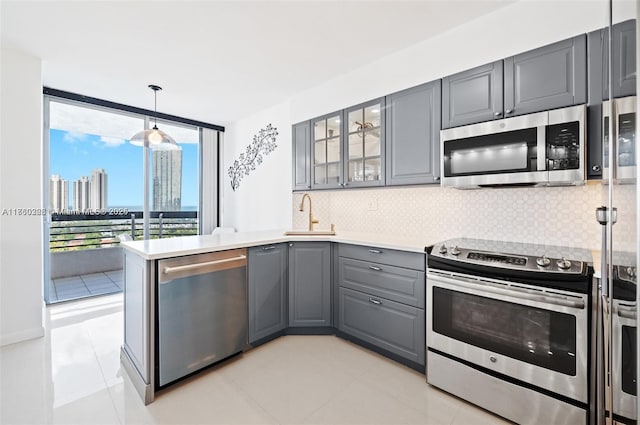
(58,194)
(167,180)
(81,194)
(98,189)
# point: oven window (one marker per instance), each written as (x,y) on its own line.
(512,151)
(629,360)
(541,337)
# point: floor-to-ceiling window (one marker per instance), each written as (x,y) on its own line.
(94,191)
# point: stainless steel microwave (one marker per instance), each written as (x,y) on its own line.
(544,148)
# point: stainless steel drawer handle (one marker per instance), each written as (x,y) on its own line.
(169,270)
(374,301)
(268,248)
(378,269)
(375,251)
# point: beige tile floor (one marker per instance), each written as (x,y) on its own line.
(73,376)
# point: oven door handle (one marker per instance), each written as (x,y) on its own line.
(479,285)
(627,312)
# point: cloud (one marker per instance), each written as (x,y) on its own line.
(74,136)
(112,142)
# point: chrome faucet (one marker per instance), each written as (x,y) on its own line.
(312,220)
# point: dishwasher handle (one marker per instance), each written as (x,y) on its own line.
(169,272)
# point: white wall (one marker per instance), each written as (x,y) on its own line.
(262,201)
(21,275)
(516,28)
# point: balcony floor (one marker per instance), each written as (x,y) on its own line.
(86,285)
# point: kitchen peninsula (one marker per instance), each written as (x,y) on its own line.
(386,271)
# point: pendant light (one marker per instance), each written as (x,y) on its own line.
(154,138)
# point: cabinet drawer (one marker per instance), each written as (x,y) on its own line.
(395,327)
(394,283)
(411,260)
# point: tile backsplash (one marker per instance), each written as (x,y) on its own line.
(544,215)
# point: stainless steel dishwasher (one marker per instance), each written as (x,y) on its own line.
(202,311)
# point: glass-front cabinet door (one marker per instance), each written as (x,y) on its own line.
(327,142)
(364,134)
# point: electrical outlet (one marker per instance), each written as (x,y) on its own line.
(373,204)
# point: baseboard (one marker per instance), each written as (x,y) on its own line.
(14,337)
(309,330)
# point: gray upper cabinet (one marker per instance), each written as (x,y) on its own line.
(310,284)
(364,135)
(326,151)
(472,96)
(413,135)
(549,77)
(267,292)
(301,138)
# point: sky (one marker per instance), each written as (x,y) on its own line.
(74,154)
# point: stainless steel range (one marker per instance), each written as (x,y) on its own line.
(508,328)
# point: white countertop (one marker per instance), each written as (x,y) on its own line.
(155,249)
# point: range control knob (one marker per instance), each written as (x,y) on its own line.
(455,250)
(631,271)
(563,264)
(543,261)
(443,249)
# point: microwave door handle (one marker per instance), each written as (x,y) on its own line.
(542,148)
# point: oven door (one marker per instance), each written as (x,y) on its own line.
(623,359)
(533,334)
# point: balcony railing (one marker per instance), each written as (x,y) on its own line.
(87,231)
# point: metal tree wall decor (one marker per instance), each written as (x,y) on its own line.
(263,144)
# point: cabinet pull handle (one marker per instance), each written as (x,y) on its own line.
(378,269)
(375,251)
(374,301)
(268,248)
(508,111)
(497,114)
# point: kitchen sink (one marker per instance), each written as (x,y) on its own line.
(310,233)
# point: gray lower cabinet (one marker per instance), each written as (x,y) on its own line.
(413,135)
(301,147)
(267,290)
(309,284)
(472,96)
(381,299)
(550,77)
(390,325)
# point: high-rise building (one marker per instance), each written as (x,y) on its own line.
(167,180)
(81,194)
(98,189)
(58,194)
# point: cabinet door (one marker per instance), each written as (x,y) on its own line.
(364,132)
(326,153)
(267,290)
(413,135)
(549,77)
(393,326)
(302,156)
(624,60)
(309,284)
(472,96)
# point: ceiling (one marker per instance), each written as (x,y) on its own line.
(218,61)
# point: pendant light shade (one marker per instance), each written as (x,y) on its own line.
(154,138)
